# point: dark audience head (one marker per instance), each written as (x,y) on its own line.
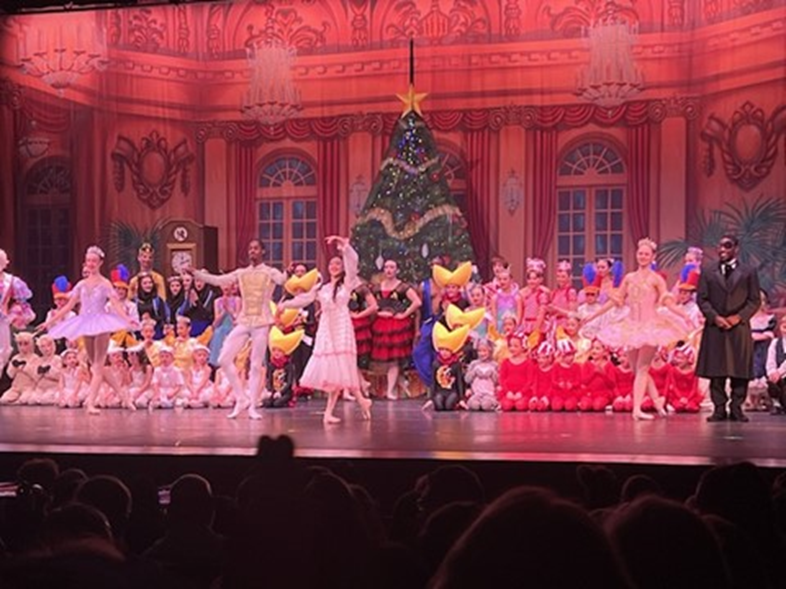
(639,485)
(599,486)
(38,471)
(191,501)
(530,538)
(447,484)
(73,523)
(111,497)
(664,544)
(443,528)
(66,484)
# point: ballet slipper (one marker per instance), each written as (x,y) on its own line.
(93,410)
(253,413)
(330,419)
(641,416)
(237,410)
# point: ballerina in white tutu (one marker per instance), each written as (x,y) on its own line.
(333,364)
(93,323)
(650,319)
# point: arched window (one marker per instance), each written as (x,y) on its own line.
(455,173)
(45,239)
(591,183)
(287,210)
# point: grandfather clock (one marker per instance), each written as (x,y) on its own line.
(191,244)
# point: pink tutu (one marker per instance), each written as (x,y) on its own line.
(661,329)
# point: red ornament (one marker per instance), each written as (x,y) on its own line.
(434,177)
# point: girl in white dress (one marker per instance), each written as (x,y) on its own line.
(199,387)
(72,380)
(141,375)
(333,363)
(94,323)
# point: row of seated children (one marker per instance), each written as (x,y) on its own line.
(63,380)
(548,377)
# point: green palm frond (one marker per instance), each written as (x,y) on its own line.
(122,240)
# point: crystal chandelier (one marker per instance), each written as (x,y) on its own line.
(612,76)
(60,55)
(272,96)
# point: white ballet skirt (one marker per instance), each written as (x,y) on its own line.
(642,321)
(333,362)
(93,319)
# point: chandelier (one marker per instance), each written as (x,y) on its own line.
(612,76)
(59,55)
(272,96)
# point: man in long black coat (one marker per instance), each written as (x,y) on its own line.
(728,296)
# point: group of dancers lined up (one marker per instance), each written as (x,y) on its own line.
(622,342)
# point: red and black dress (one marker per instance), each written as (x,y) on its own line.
(363,336)
(392,337)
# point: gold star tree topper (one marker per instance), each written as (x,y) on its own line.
(412,101)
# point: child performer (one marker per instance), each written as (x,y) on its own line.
(117,373)
(682,388)
(476,301)
(199,388)
(14,308)
(776,369)
(168,381)
(501,351)
(623,402)
(72,389)
(505,301)
(120,277)
(149,345)
(184,344)
(49,368)
(448,378)
(659,371)
(567,378)
(333,364)
(498,266)
(589,305)
(223,396)
(564,298)
(305,320)
(281,372)
(515,375)
(535,300)
(543,378)
(140,373)
(61,290)
(22,370)
(570,330)
(483,377)
(599,380)
(93,323)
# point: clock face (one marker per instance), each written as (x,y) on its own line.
(181,260)
(180,233)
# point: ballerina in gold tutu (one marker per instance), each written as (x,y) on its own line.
(650,318)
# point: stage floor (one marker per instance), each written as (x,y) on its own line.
(400,429)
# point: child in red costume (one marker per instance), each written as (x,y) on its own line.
(566,378)
(623,402)
(543,378)
(599,379)
(515,375)
(659,375)
(682,387)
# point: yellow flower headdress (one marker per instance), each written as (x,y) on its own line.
(459,277)
(454,340)
(456,317)
(295,285)
(287,343)
(287,317)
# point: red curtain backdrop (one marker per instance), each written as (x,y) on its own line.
(330,162)
(543,146)
(638,201)
(479,195)
(246,189)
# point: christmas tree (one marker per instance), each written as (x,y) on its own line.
(410,215)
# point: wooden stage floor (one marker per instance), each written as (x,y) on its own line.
(401,430)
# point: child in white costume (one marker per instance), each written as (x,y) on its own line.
(140,375)
(49,368)
(72,390)
(168,381)
(199,387)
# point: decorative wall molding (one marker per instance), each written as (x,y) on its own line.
(10,94)
(154,167)
(287,25)
(748,143)
(583,14)
(459,22)
(146,33)
(529,117)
